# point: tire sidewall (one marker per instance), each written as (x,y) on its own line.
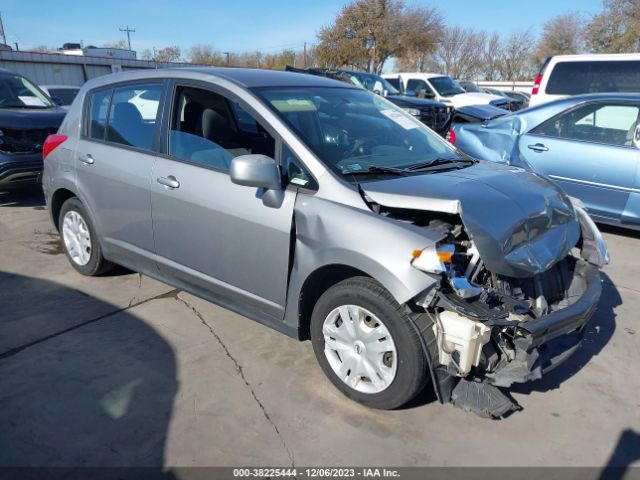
(95,259)
(410,370)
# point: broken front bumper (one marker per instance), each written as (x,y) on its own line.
(546,342)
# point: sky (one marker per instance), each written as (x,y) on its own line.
(239,25)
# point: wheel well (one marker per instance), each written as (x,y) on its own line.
(58,198)
(315,285)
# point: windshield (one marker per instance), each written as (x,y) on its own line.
(353,130)
(18,92)
(373,83)
(446,86)
(470,87)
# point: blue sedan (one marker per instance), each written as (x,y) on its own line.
(588,144)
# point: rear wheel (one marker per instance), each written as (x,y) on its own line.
(80,242)
(367,345)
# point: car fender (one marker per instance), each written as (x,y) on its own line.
(329,233)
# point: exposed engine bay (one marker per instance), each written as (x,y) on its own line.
(491,330)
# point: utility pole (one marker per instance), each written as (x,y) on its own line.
(129,31)
(304,58)
(4,37)
(227,54)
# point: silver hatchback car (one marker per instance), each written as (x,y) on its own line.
(329,214)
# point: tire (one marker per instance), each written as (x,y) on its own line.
(371,305)
(89,261)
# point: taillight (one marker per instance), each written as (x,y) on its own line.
(51,143)
(451,136)
(536,85)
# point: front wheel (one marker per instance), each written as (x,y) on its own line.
(367,345)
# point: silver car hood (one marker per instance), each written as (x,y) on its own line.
(520,223)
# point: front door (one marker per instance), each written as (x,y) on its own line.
(213,235)
(589,152)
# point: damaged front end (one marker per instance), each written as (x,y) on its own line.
(486,329)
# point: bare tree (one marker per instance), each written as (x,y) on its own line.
(616,29)
(459,52)
(167,54)
(205,54)
(560,35)
(516,56)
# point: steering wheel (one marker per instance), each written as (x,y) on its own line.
(363,146)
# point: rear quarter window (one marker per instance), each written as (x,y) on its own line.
(574,78)
(98,111)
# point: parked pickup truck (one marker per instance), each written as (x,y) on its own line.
(442,89)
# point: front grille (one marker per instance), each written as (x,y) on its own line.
(435,117)
(24,140)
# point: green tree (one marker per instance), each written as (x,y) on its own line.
(367,33)
(616,29)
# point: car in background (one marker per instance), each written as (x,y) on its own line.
(435,115)
(27,117)
(337,218)
(587,144)
(514,104)
(565,75)
(443,89)
(473,114)
(524,97)
(63,95)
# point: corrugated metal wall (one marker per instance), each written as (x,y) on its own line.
(59,69)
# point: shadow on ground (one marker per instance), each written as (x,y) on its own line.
(96,393)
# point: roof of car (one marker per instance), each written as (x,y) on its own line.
(245,77)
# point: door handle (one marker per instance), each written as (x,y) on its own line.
(169,182)
(538,147)
(87,159)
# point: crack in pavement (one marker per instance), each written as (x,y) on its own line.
(16,350)
(242,376)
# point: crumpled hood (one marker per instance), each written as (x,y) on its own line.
(520,223)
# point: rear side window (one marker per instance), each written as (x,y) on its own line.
(98,114)
(133,113)
(573,78)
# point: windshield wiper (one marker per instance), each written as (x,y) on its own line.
(376,169)
(436,163)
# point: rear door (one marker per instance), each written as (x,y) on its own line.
(114,160)
(214,236)
(589,151)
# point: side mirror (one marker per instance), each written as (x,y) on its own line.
(57,100)
(255,171)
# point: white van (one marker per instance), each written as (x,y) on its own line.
(565,75)
(442,88)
